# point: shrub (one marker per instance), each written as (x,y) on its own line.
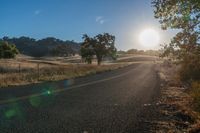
(8,50)
(195,92)
(190,67)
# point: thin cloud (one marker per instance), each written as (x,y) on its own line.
(100,20)
(37,12)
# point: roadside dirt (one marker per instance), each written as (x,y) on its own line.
(174,107)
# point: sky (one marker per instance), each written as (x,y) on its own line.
(70,19)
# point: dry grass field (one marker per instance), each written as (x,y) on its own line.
(25,71)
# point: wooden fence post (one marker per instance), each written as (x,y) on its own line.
(38,70)
(19,70)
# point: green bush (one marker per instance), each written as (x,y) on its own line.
(190,67)
(7,50)
(195,93)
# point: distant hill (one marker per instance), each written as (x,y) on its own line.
(49,46)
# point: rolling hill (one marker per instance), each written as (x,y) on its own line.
(49,46)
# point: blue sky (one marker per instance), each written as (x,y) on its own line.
(70,19)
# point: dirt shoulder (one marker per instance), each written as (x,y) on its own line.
(174,106)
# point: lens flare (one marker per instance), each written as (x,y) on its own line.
(10,113)
(35,101)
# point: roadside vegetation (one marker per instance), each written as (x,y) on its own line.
(195,92)
(183,52)
(15,72)
(184,47)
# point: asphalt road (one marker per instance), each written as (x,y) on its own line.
(110,102)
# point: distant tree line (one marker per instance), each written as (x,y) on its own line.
(140,52)
(99,47)
(49,46)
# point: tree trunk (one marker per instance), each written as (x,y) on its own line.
(99,59)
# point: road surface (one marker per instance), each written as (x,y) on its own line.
(110,102)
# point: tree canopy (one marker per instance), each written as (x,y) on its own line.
(100,46)
(183,15)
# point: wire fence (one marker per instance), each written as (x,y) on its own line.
(20,69)
(25,72)
(14,73)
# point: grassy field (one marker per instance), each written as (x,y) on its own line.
(26,71)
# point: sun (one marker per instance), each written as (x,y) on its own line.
(149,38)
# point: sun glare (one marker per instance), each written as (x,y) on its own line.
(149,38)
